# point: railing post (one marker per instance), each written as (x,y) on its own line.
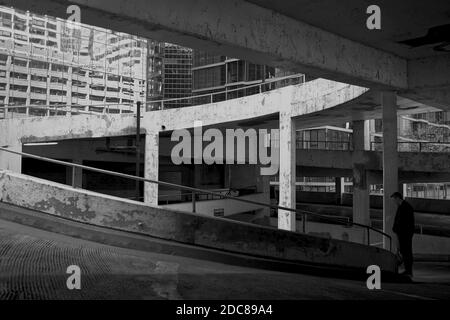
(211,100)
(304,222)
(74,185)
(193,202)
(162,105)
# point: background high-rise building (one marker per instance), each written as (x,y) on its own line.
(49,61)
(169,73)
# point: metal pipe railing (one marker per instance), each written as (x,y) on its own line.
(63,108)
(210,96)
(304,213)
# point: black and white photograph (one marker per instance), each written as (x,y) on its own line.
(223,157)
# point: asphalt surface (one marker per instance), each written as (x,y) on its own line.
(33,265)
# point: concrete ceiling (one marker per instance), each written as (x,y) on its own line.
(400,20)
(323,38)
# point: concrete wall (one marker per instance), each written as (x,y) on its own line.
(80,205)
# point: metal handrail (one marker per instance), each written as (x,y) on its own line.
(211,95)
(149,102)
(195,190)
(420,144)
(66,108)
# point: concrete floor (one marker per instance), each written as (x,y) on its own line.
(33,265)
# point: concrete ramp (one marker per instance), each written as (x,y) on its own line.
(187,228)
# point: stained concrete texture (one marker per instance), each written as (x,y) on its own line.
(33,266)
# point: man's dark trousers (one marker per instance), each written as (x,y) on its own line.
(405,244)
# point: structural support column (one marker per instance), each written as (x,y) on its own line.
(151,168)
(390,163)
(361,190)
(340,188)
(77,175)
(287,145)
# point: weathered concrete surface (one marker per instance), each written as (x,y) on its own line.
(188,228)
(41,129)
(240,29)
(34,266)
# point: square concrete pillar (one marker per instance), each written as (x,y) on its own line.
(77,175)
(287,145)
(151,168)
(340,188)
(361,190)
(390,163)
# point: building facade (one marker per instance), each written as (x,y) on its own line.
(46,61)
(169,74)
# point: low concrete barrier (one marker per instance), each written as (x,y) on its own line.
(98,209)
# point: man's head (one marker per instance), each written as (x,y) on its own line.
(397,197)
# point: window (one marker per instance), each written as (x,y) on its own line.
(37,41)
(78,95)
(60,68)
(5,34)
(37,22)
(78,83)
(38,90)
(51,43)
(3,59)
(111,99)
(37,31)
(20,37)
(18,88)
(51,26)
(38,64)
(37,102)
(97,87)
(18,75)
(55,92)
(95,98)
(20,26)
(58,80)
(38,78)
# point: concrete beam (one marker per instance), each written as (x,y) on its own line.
(431,162)
(243,30)
(429,81)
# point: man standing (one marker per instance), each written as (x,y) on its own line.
(404,229)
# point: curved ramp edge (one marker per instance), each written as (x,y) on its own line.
(208,232)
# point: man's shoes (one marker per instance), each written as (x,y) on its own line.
(407,273)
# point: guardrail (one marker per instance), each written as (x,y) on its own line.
(13,111)
(303,213)
(267,85)
(8,111)
(346,145)
(414,146)
(324,145)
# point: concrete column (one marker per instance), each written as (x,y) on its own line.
(9,161)
(286,219)
(151,168)
(361,135)
(390,163)
(361,191)
(77,175)
(340,188)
